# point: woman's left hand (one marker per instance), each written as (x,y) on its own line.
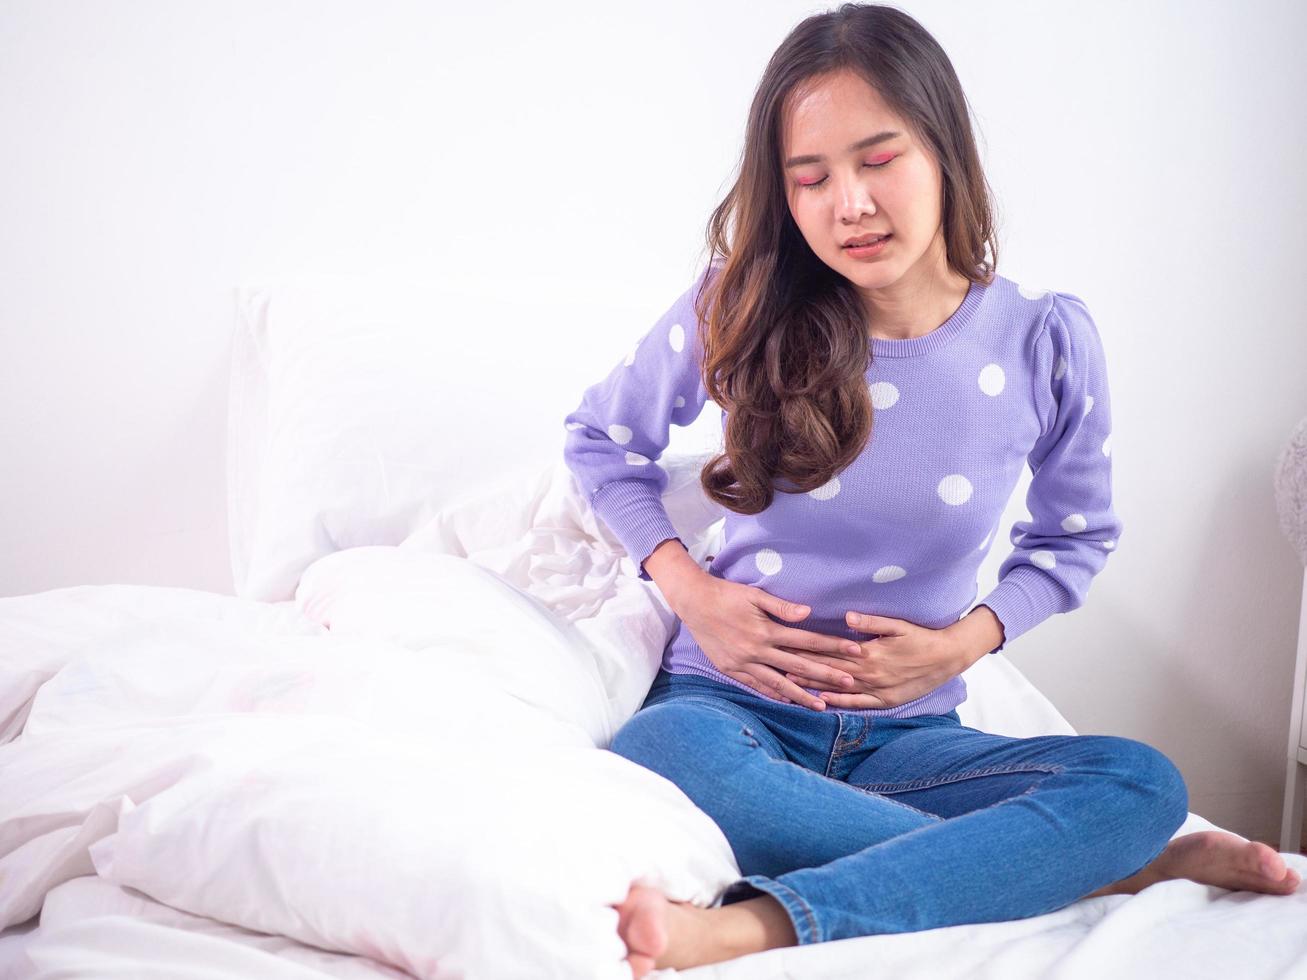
(901,664)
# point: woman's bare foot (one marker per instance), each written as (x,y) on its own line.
(1213,857)
(662,934)
(642,922)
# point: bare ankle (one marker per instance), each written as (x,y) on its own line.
(755,925)
(700,936)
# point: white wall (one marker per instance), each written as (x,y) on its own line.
(1147,157)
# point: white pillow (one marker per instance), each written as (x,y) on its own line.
(360,405)
(452,605)
(479,862)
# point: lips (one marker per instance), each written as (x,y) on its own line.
(864,240)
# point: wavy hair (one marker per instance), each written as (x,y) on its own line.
(784,336)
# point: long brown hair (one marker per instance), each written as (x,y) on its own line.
(784,336)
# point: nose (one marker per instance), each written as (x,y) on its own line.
(854,202)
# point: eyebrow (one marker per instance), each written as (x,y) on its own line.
(860,145)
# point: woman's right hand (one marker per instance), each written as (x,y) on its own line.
(730,623)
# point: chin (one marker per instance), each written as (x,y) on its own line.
(867,275)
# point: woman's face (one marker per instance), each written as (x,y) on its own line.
(892,185)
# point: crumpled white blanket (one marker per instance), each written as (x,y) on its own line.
(407,771)
(399,772)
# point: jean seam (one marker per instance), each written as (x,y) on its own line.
(844,750)
(898,803)
(834,749)
(839,752)
(866,733)
(932,781)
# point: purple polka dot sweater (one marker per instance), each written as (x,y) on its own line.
(1015,376)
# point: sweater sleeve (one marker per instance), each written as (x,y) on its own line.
(1072,526)
(621,428)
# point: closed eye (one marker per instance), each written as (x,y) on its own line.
(874,166)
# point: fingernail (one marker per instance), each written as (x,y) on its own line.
(854,649)
(847,682)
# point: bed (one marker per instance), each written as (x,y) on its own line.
(385,755)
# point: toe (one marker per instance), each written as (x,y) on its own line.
(642,926)
(1270,864)
(1288,883)
(1273,874)
(646,932)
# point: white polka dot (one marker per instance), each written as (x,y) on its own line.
(1060,369)
(1044,559)
(620,434)
(1107,448)
(676,337)
(888,573)
(768,561)
(954,489)
(1031,292)
(1109,544)
(992,379)
(680,401)
(1075,523)
(883,395)
(1089,404)
(575,425)
(827,490)
(635,459)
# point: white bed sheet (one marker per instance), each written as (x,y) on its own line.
(145,711)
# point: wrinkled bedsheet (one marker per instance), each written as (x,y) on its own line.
(401,773)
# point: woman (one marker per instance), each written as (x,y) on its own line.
(807,702)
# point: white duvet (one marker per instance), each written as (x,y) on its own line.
(400,773)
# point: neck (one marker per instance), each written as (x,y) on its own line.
(915,304)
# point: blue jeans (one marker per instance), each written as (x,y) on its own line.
(861,825)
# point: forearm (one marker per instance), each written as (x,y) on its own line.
(976,634)
(674,571)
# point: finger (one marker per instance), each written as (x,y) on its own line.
(818,685)
(781,607)
(752,682)
(867,623)
(815,668)
(837,699)
(819,643)
(834,663)
(749,681)
(804,678)
(773,682)
(870,676)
